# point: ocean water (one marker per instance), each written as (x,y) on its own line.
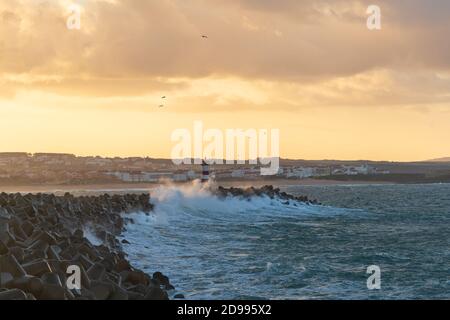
(263,249)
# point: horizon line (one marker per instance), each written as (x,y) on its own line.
(443,159)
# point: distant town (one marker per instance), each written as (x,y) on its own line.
(20,168)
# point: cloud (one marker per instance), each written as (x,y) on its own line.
(89,87)
(133,47)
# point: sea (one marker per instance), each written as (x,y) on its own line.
(264,248)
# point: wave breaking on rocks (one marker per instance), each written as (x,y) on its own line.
(42,236)
(265,191)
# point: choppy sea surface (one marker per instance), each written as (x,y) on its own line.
(264,249)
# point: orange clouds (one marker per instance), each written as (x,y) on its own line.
(257,39)
(262,57)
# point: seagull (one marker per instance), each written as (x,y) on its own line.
(204,36)
(163,97)
(161,106)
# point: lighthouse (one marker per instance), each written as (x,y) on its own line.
(205,172)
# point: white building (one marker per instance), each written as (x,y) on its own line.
(238,173)
(179,177)
(300,173)
(54,158)
(138,176)
(354,170)
(192,175)
(100,162)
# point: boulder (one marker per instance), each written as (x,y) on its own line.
(28,284)
(155,293)
(78,233)
(101,290)
(37,245)
(5,278)
(118,293)
(53,292)
(162,280)
(37,268)
(135,277)
(122,265)
(53,252)
(51,278)
(96,272)
(3,248)
(13,294)
(7,238)
(18,253)
(9,264)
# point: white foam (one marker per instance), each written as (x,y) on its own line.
(93,239)
(196,203)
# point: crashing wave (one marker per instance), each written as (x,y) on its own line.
(266,191)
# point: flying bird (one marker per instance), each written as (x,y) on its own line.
(161,106)
(204,36)
(163,97)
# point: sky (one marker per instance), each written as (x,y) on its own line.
(310,68)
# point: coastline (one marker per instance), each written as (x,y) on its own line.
(302,182)
(79,189)
(42,234)
(45,238)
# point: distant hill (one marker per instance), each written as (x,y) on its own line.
(446,159)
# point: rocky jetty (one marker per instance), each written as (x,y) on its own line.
(42,238)
(266,191)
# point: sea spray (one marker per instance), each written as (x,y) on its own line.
(196,235)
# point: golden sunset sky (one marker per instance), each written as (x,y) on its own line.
(311,68)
